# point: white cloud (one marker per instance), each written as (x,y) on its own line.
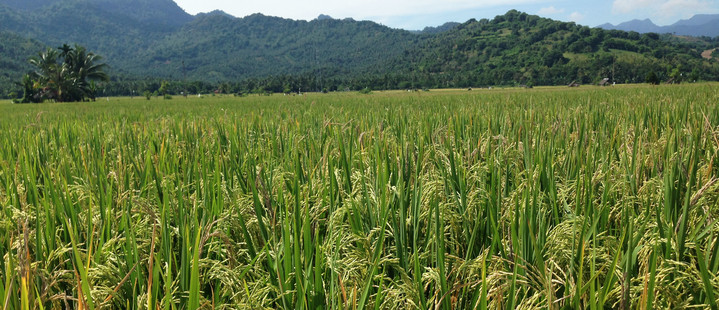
(576,17)
(550,11)
(683,8)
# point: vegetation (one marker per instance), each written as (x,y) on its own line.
(581,198)
(63,74)
(517,48)
(147,42)
(652,78)
(14,52)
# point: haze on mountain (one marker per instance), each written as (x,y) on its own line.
(699,25)
(146,41)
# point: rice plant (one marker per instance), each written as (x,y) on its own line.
(545,198)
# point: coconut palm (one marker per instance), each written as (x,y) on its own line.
(48,73)
(64,74)
(86,69)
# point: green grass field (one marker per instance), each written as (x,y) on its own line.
(548,198)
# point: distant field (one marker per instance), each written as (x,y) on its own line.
(586,198)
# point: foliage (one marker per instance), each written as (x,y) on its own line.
(163,88)
(14,51)
(505,199)
(150,41)
(652,78)
(63,74)
(517,48)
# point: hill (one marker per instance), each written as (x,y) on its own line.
(517,48)
(699,25)
(116,29)
(219,47)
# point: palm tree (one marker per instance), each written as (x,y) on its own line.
(86,69)
(48,73)
(64,74)
(31,89)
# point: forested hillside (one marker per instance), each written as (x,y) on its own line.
(218,47)
(117,29)
(13,53)
(147,41)
(518,48)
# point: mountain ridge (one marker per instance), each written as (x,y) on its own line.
(698,25)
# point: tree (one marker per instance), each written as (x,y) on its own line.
(63,74)
(163,88)
(31,90)
(676,75)
(652,78)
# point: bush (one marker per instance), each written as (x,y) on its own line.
(167,97)
(366,91)
(652,78)
(147,94)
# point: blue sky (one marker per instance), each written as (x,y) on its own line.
(416,14)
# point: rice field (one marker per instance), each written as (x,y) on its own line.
(589,198)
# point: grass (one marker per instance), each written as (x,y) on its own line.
(585,198)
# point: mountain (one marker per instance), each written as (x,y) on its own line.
(219,47)
(114,29)
(641,26)
(152,38)
(146,41)
(698,20)
(514,48)
(517,48)
(699,25)
(148,11)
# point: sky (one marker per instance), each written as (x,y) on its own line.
(417,14)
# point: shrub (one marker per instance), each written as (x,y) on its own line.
(652,78)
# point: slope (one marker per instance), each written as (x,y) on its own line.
(14,51)
(517,48)
(115,29)
(220,47)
